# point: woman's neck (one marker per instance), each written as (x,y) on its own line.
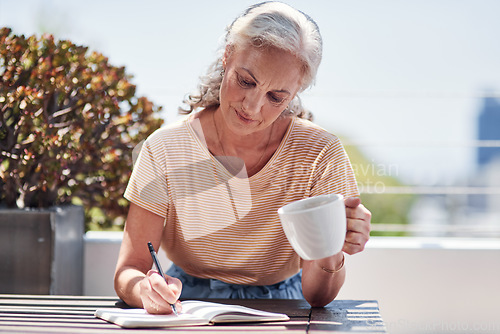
(254,149)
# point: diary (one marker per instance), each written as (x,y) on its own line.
(194,313)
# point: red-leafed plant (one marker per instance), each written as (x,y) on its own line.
(68,123)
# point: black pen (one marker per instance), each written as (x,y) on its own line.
(158,267)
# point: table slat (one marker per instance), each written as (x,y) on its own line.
(347,316)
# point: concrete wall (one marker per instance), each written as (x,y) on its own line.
(429,285)
(422,284)
(101,253)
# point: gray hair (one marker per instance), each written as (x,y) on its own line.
(268,24)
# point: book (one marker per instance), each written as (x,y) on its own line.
(194,313)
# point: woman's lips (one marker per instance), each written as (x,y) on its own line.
(243,118)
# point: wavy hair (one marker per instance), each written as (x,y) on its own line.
(267,24)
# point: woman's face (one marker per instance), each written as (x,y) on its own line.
(258,85)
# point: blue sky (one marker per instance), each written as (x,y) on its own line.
(401,78)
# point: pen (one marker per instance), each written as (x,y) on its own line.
(158,267)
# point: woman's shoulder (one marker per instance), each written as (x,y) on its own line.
(172,130)
(305,130)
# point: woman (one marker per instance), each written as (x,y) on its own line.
(207,188)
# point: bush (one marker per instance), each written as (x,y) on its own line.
(387,209)
(68,123)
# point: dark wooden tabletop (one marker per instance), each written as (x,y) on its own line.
(75,314)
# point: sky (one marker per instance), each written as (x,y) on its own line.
(402,80)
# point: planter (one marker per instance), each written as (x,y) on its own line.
(41,251)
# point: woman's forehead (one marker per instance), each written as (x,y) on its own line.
(269,65)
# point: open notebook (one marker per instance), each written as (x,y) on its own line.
(194,313)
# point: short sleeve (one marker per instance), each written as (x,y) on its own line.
(333,172)
(147,186)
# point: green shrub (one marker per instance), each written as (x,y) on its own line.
(373,179)
(68,123)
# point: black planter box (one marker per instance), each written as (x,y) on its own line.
(41,251)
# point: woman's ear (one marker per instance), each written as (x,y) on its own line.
(227,53)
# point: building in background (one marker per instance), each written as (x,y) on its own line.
(489,129)
(488,163)
(473,208)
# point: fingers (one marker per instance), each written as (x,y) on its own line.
(352,202)
(355,242)
(358,226)
(354,209)
(157,294)
(169,289)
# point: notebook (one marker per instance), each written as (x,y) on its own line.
(194,313)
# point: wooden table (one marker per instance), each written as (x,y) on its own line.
(74,314)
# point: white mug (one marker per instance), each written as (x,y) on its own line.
(315,226)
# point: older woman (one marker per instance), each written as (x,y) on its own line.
(208,188)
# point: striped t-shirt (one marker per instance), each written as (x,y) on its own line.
(226,227)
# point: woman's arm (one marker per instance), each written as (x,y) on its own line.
(321,286)
(135,283)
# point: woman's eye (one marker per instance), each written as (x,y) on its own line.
(275,99)
(244,83)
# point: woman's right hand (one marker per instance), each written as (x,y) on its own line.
(135,283)
(157,294)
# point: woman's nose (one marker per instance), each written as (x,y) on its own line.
(253,102)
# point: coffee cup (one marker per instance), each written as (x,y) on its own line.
(315,226)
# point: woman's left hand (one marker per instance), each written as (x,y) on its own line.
(358,226)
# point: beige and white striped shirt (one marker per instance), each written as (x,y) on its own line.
(226,227)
